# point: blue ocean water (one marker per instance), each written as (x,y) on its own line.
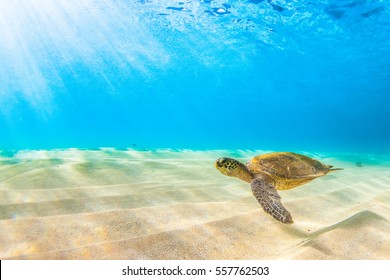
(271,75)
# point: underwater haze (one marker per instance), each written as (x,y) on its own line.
(114,112)
(273,75)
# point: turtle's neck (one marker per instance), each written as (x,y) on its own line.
(243,173)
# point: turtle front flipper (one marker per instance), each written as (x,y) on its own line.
(269,199)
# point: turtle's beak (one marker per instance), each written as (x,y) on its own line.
(219,162)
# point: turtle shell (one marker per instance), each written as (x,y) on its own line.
(287,165)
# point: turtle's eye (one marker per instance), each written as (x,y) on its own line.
(222,161)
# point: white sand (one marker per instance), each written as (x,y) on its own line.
(110,204)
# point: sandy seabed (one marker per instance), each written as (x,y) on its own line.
(173,204)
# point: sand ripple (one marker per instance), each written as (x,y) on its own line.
(110,204)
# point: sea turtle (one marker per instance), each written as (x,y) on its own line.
(274,171)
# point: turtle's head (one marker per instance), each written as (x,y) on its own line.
(233,168)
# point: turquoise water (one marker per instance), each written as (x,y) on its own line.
(271,75)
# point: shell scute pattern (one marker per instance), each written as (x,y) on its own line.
(287,165)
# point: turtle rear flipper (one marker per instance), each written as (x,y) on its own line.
(270,201)
(335,169)
(331,169)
